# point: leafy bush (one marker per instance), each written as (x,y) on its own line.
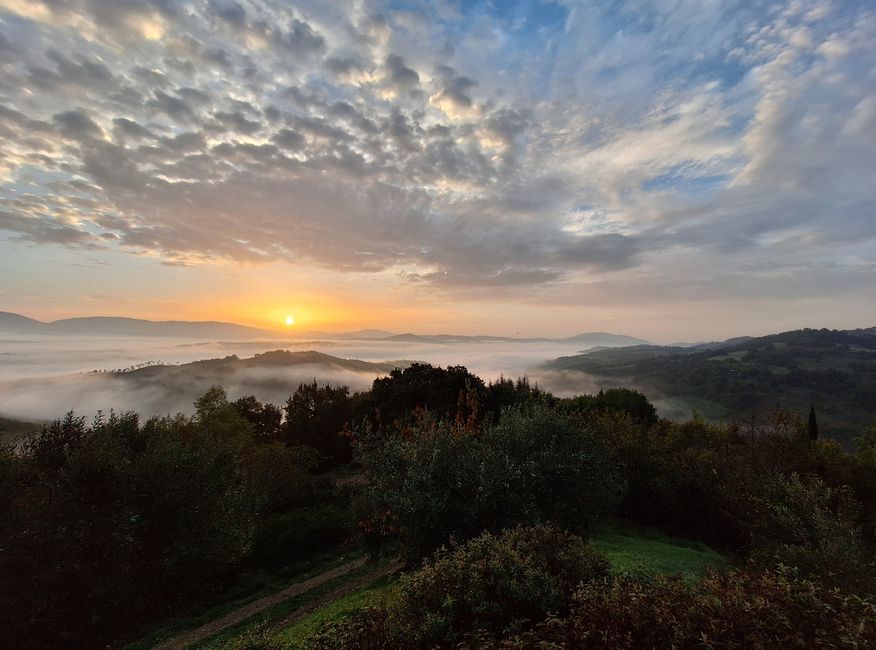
(738,609)
(492,583)
(811,526)
(435,482)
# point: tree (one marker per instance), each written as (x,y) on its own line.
(812,428)
(317,416)
(436,390)
(265,418)
(434,481)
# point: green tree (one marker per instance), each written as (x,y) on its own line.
(317,416)
(433,481)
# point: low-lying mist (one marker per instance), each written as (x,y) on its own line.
(43,377)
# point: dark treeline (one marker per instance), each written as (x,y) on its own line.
(111,525)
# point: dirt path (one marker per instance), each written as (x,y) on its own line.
(335,594)
(256,606)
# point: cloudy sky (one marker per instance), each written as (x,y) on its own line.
(671,169)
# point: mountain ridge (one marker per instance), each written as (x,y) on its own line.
(138,327)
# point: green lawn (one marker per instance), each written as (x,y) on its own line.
(638,549)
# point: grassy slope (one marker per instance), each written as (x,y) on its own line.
(294,637)
(637,549)
(255,588)
(279,611)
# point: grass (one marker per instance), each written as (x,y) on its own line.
(280,610)
(641,550)
(295,636)
(259,587)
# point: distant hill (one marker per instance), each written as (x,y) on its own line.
(218,331)
(275,359)
(135,327)
(271,376)
(604,339)
(10,322)
(835,369)
(584,340)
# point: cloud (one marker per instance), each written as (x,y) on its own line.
(76,125)
(301,40)
(557,152)
(399,79)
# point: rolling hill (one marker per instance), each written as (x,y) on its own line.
(834,369)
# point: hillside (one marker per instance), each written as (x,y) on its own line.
(135,327)
(271,376)
(217,368)
(835,369)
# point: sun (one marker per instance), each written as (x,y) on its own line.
(290,320)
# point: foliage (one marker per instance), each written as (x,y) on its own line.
(492,583)
(264,418)
(737,609)
(812,527)
(434,482)
(106,525)
(317,416)
(614,400)
(422,386)
(151,510)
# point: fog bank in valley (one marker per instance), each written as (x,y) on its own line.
(43,377)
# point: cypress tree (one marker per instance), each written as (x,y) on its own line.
(813,422)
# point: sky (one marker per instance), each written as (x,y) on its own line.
(669,169)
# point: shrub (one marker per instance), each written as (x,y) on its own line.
(491,584)
(739,609)
(811,526)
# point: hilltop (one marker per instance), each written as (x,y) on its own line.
(835,369)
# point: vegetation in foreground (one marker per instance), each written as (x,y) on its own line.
(489,492)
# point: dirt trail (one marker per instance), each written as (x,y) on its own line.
(232,618)
(335,594)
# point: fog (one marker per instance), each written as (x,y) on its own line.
(43,377)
